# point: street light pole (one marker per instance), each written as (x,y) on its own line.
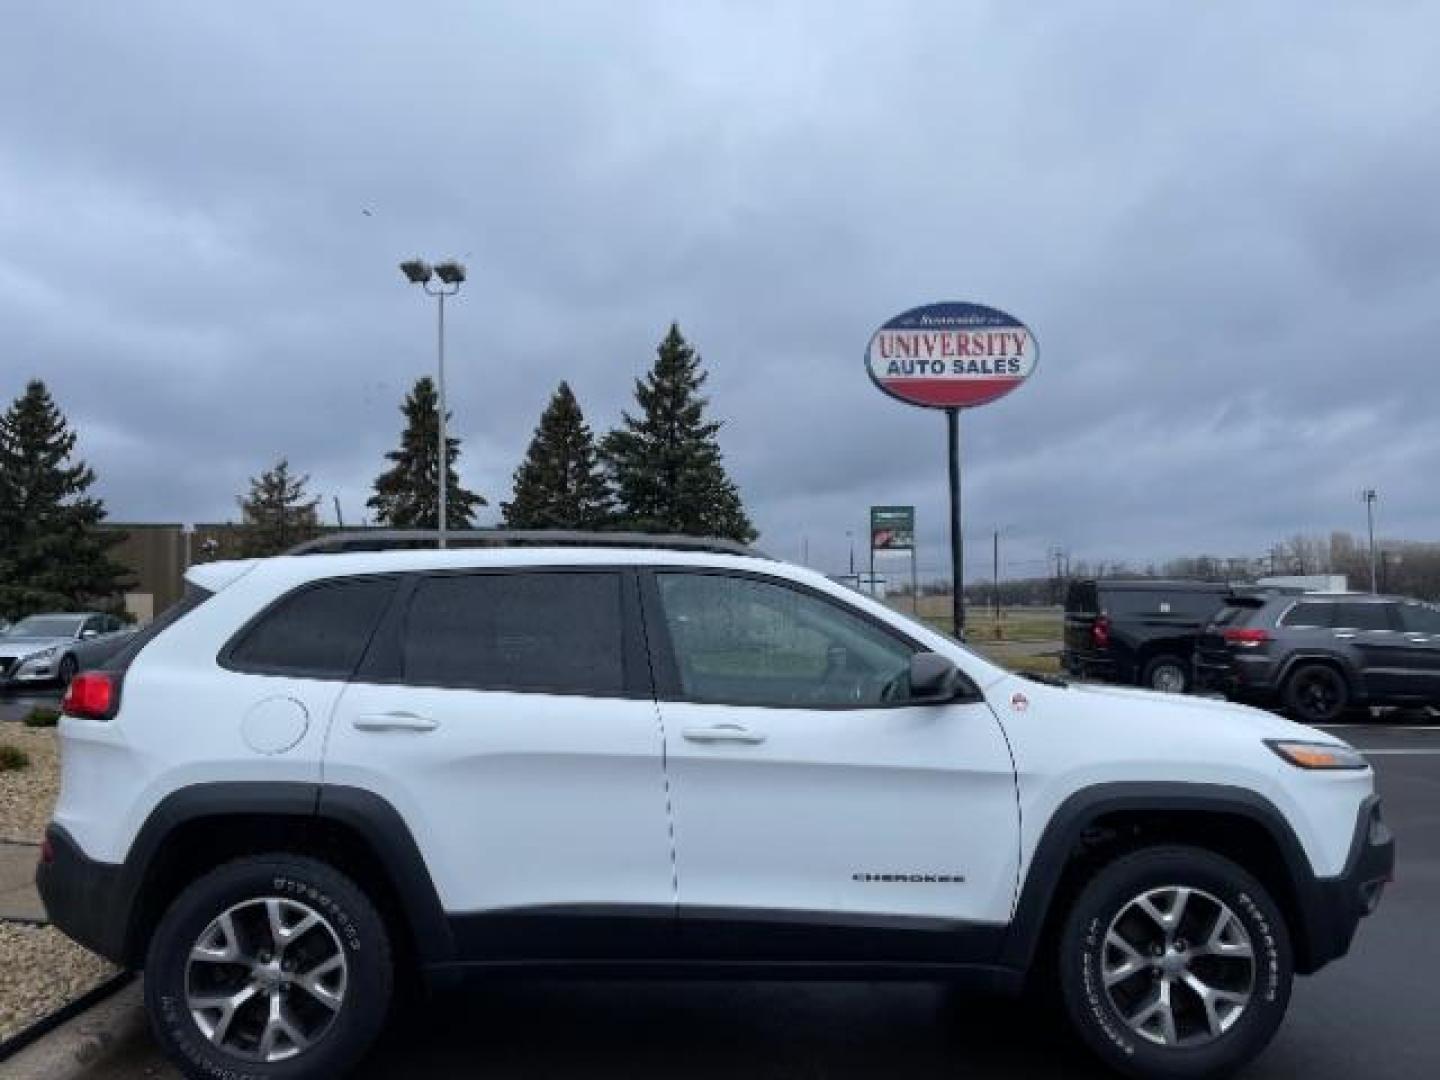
(444,474)
(1369,496)
(451,274)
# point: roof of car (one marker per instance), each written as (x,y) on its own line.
(419,539)
(213,576)
(1176,584)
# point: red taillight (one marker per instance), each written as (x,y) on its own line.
(1100,632)
(1244,637)
(91,696)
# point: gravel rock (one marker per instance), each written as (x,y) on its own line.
(27,796)
(43,969)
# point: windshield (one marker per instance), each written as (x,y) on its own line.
(47,626)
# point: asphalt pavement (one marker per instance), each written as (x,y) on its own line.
(1370,1014)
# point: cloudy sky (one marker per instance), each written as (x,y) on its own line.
(1222,221)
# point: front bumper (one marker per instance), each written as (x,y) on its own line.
(1335,906)
(82,897)
(26,670)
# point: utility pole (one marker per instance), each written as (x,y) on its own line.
(995,579)
(1369,496)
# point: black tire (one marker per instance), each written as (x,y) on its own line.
(1095,1010)
(68,666)
(1168,673)
(349,926)
(1317,693)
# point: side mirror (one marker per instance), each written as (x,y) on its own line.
(933,678)
(86,635)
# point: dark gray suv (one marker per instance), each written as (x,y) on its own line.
(1319,654)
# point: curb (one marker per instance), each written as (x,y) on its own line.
(77,1045)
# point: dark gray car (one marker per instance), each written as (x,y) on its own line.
(1319,654)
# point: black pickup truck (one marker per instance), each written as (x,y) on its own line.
(1140,632)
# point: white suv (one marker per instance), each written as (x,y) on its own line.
(657,757)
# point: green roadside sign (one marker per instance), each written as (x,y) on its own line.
(892,528)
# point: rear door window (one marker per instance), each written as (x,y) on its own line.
(557,632)
(1365,617)
(319,631)
(1420,618)
(1311,613)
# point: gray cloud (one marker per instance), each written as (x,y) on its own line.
(1219,222)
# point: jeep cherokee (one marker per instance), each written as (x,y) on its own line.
(628,756)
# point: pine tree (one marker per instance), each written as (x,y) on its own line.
(407,496)
(53,555)
(276,514)
(559,485)
(666,465)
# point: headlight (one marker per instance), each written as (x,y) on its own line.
(1311,755)
(43,654)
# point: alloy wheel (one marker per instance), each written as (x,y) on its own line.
(1319,693)
(1178,966)
(266,979)
(1168,678)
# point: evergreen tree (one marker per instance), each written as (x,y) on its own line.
(53,555)
(407,496)
(666,465)
(276,514)
(559,485)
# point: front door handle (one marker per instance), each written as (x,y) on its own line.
(723,733)
(393,721)
(1344,637)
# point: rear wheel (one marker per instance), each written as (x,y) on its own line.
(1167,673)
(1317,693)
(1175,962)
(269,967)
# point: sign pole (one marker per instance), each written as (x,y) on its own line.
(957,541)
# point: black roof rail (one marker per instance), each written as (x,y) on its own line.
(400,539)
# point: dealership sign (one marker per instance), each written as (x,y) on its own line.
(892,528)
(951,356)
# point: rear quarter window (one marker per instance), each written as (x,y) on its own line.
(318,631)
(1312,613)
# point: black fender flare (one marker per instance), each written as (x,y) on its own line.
(1082,809)
(377,824)
(1348,670)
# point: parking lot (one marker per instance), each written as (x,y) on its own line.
(1370,1014)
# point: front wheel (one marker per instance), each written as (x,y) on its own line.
(269,968)
(1175,962)
(68,667)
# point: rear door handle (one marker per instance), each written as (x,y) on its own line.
(1345,637)
(723,733)
(393,721)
